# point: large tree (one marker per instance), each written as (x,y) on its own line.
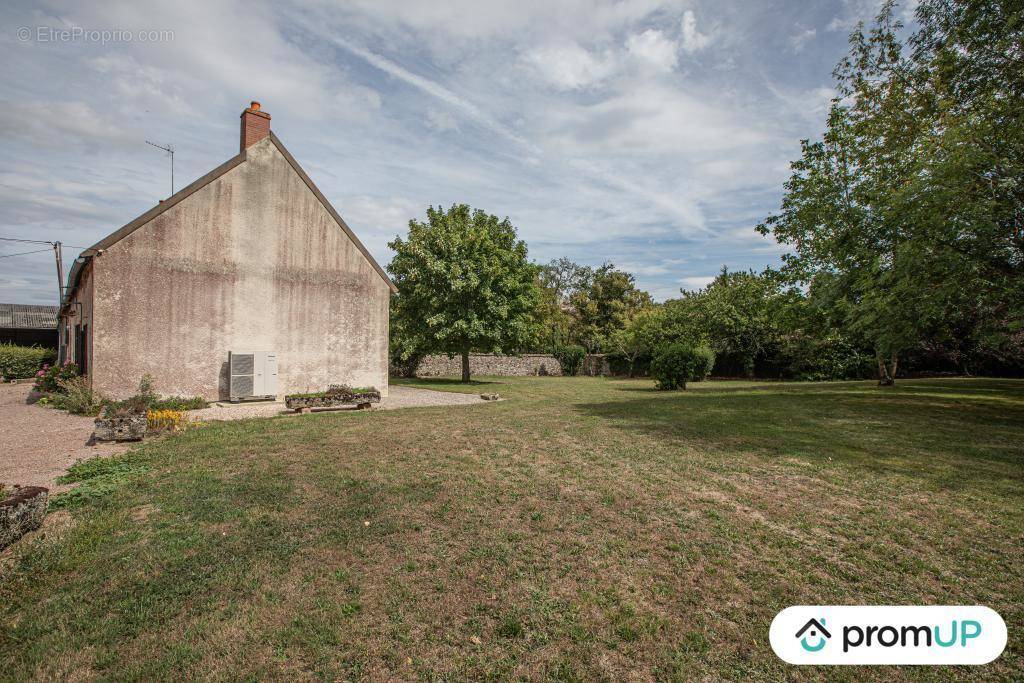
(559,280)
(464,283)
(910,205)
(605,303)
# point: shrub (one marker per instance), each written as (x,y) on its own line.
(78,397)
(146,399)
(809,358)
(22,362)
(676,364)
(135,405)
(180,403)
(571,357)
(48,379)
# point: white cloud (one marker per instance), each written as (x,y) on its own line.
(653,49)
(693,40)
(695,282)
(581,120)
(569,66)
(59,124)
(441,121)
(800,39)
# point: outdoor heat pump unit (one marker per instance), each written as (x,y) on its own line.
(253,375)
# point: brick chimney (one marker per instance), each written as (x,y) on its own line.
(255,125)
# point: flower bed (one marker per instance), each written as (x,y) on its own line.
(339,395)
(21,511)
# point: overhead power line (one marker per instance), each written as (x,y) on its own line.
(23,253)
(15,239)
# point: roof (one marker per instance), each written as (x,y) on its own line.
(25,317)
(113,238)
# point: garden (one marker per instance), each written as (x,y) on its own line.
(583,528)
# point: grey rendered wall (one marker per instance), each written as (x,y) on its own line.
(252,261)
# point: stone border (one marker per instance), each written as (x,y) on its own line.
(22,512)
(129,428)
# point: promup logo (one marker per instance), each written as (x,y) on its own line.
(817,630)
(888,635)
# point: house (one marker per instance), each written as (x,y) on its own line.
(249,258)
(28,325)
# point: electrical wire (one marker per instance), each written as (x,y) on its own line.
(15,239)
(23,253)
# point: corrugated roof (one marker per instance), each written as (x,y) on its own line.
(25,317)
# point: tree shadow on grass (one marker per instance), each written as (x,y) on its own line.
(951,442)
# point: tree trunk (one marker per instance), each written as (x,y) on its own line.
(465,364)
(884,378)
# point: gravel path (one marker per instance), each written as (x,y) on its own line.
(37,444)
(399,397)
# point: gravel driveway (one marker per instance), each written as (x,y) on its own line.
(37,444)
(399,397)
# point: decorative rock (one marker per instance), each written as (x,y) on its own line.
(128,428)
(21,512)
(490,397)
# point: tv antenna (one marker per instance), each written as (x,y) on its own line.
(170,151)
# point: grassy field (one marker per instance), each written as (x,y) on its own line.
(581,529)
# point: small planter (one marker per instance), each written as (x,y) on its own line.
(305,402)
(21,511)
(122,428)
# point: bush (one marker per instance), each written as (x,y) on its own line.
(78,397)
(179,403)
(146,399)
(571,357)
(22,362)
(676,364)
(808,358)
(48,379)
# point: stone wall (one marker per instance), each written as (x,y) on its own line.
(595,365)
(20,512)
(490,364)
(440,365)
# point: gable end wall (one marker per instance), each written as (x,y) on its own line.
(253,261)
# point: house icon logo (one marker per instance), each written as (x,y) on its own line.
(816,631)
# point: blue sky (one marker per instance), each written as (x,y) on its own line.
(651,134)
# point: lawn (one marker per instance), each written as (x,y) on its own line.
(581,529)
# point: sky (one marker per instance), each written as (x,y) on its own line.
(653,134)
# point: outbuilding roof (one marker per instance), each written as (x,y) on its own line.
(27,317)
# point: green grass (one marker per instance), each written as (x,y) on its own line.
(582,529)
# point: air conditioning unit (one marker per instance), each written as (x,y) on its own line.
(253,375)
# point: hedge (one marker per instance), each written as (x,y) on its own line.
(22,362)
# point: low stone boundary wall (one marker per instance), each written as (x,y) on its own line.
(490,364)
(595,365)
(20,512)
(528,364)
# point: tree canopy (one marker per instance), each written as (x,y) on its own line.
(464,284)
